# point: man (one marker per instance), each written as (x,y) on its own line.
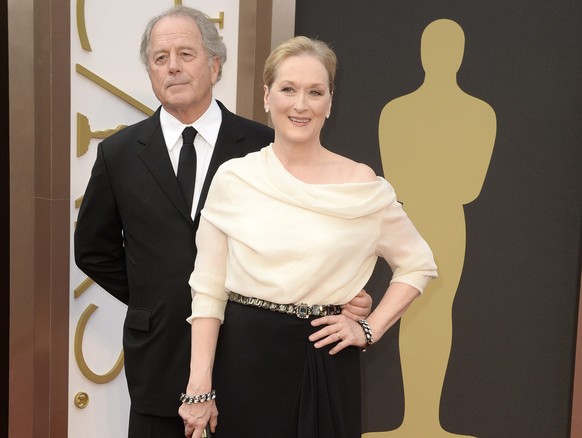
(135,230)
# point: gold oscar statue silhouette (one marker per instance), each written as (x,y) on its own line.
(84,134)
(435,144)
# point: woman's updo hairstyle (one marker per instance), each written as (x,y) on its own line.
(298,46)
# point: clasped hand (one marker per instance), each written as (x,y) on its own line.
(196,416)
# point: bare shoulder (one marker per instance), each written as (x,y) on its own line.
(352,171)
(363,173)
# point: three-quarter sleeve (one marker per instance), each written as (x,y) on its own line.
(209,296)
(407,253)
(266,234)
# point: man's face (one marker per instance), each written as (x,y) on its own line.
(181,74)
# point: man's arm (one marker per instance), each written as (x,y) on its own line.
(360,306)
(99,250)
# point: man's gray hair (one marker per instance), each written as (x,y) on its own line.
(210,37)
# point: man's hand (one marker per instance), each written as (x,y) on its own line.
(360,306)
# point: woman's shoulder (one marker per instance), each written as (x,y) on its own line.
(353,171)
(363,173)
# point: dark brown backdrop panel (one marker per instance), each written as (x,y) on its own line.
(39,69)
(253,48)
(4,219)
(515,313)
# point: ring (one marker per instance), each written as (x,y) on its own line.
(338,336)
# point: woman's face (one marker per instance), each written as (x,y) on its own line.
(299,99)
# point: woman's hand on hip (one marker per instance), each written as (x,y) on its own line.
(338,329)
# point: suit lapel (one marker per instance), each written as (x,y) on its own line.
(156,158)
(229,135)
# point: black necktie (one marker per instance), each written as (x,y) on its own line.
(187,165)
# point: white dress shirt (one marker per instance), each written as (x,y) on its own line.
(207,126)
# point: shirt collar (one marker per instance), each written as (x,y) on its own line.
(207,125)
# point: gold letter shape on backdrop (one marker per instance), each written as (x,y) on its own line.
(219,20)
(80,290)
(435,144)
(81,363)
(81,27)
(113,90)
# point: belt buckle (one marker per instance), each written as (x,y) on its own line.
(303,311)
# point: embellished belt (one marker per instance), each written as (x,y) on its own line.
(302,311)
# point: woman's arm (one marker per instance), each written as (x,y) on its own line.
(398,297)
(412,264)
(345,332)
(197,415)
(208,303)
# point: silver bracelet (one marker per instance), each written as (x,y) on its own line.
(189,399)
(367,332)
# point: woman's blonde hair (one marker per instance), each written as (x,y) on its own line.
(297,46)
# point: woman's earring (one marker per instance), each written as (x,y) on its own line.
(327,117)
(266,110)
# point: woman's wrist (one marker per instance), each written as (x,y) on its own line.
(199,398)
(367,333)
(198,387)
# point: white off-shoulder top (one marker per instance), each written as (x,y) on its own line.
(266,234)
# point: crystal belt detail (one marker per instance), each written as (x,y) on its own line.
(302,311)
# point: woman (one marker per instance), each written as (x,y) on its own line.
(294,223)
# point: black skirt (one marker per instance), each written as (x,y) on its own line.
(272,383)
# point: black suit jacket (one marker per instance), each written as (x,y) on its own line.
(135,238)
